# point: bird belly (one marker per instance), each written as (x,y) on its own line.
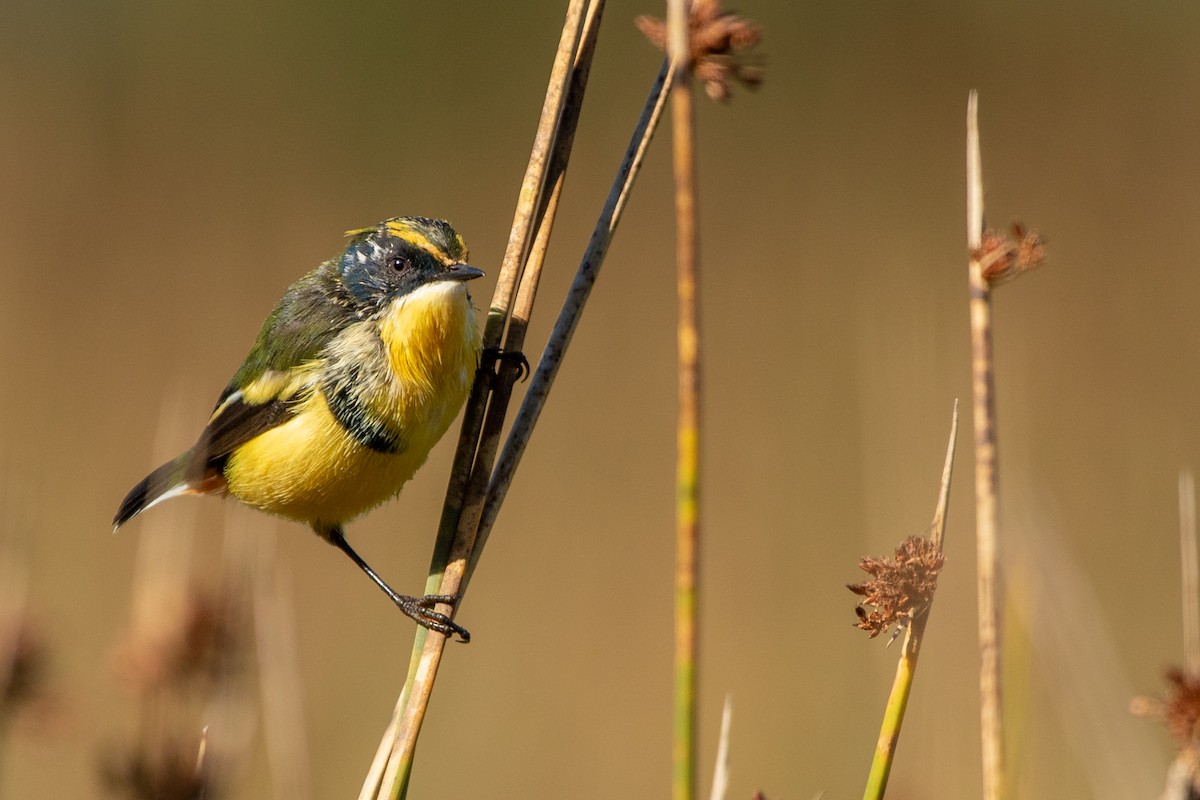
(314,469)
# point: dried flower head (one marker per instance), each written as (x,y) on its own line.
(901,588)
(717,38)
(176,772)
(1180,712)
(1181,709)
(1003,255)
(204,642)
(23,671)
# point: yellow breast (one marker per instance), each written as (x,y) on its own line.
(414,368)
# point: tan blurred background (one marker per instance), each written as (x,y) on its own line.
(166,169)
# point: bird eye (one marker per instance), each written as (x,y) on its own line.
(400,263)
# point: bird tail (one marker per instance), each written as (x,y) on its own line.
(169,480)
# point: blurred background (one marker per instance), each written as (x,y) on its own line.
(167,169)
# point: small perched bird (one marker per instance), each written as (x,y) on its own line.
(355,375)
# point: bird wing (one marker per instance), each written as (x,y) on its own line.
(265,392)
(238,420)
(283,367)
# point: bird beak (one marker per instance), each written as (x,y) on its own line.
(461,272)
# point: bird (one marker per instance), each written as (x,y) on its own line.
(357,372)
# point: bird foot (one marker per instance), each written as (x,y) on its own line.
(493,357)
(421,610)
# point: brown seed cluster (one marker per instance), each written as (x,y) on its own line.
(1003,255)
(22,677)
(195,651)
(901,588)
(1181,710)
(203,643)
(718,40)
(175,772)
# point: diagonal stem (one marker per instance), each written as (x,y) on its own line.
(391,768)
(906,669)
(519,274)
(568,319)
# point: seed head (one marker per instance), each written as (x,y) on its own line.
(23,676)
(1003,255)
(717,39)
(205,641)
(173,771)
(901,588)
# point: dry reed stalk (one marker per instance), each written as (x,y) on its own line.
(572,310)
(22,649)
(897,704)
(477,490)
(478,442)
(1191,572)
(687,469)
(986,474)
(186,665)
(703,41)
(514,340)
(720,783)
(233,707)
(1181,710)
(279,676)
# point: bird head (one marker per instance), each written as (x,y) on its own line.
(399,256)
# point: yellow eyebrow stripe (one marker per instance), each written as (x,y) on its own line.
(413,236)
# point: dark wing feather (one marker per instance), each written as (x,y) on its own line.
(151,489)
(312,312)
(237,423)
(310,315)
(198,471)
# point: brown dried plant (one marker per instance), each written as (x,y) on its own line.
(196,652)
(718,39)
(23,676)
(1180,711)
(1003,255)
(174,771)
(186,660)
(900,588)
(201,641)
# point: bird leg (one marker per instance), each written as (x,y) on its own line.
(419,609)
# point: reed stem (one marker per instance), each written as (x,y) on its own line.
(906,669)
(391,770)
(687,470)
(986,474)
(568,319)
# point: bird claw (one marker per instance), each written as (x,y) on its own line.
(421,610)
(493,357)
